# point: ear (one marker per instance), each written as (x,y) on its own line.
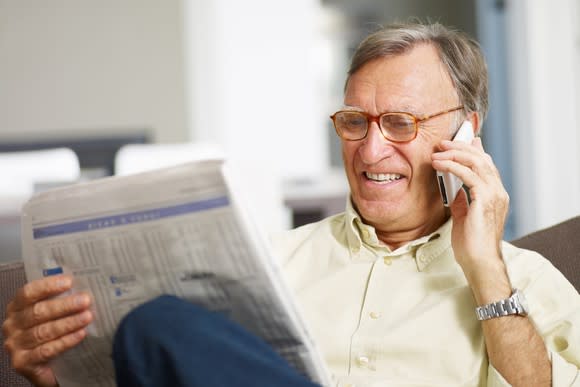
(475,121)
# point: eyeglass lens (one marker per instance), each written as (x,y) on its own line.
(395,126)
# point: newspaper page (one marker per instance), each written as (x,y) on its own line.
(180,230)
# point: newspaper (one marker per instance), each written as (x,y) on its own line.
(180,230)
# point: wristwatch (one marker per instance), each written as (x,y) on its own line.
(515,304)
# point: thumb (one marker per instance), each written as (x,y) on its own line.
(460,205)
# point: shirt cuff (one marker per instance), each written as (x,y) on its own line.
(564,374)
(494,378)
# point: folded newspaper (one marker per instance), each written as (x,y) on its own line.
(181,230)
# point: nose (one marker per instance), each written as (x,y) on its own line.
(375,147)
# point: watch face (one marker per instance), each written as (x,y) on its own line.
(521,299)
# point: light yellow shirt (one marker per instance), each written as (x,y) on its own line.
(407,317)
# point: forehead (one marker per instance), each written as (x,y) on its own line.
(415,81)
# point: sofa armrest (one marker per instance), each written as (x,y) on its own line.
(12,277)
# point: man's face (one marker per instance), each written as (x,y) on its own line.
(393,185)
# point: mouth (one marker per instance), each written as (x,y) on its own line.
(383,177)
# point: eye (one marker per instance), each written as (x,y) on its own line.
(398,122)
(352,120)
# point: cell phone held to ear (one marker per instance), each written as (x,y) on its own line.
(449,184)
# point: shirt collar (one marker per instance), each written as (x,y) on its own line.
(425,249)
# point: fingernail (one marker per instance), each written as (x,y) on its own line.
(80,300)
(80,334)
(63,283)
(85,317)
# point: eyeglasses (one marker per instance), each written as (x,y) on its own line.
(352,125)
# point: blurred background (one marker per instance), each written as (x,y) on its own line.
(259,79)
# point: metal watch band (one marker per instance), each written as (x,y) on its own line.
(506,307)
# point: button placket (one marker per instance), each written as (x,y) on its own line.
(358,357)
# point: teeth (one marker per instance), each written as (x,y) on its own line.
(383,176)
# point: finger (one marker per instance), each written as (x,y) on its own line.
(466,174)
(475,146)
(38,290)
(42,375)
(26,361)
(481,163)
(53,349)
(457,150)
(481,191)
(52,309)
(460,205)
(52,330)
(479,186)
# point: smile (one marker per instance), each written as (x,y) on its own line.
(382,177)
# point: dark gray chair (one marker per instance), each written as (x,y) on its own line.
(559,243)
(12,277)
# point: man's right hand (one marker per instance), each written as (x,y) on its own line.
(39,327)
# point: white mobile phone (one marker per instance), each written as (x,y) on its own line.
(449,184)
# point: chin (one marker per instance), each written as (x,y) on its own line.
(377,211)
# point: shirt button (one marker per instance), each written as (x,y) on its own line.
(374,315)
(366,234)
(388,261)
(355,249)
(349,385)
(362,361)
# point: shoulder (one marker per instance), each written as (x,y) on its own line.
(516,256)
(526,265)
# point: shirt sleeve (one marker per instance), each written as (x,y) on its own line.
(559,324)
(564,374)
(495,379)
(555,312)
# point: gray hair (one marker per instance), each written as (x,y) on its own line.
(460,54)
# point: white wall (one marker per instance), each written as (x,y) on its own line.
(543,51)
(253,81)
(86,67)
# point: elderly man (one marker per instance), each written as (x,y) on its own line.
(398,290)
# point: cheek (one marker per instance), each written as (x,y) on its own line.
(418,155)
(424,176)
(348,153)
(428,139)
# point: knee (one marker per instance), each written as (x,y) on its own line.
(147,340)
(167,314)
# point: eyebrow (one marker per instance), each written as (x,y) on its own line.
(405,109)
(348,107)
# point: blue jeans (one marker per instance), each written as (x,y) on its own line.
(171,342)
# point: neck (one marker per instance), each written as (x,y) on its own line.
(397,235)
